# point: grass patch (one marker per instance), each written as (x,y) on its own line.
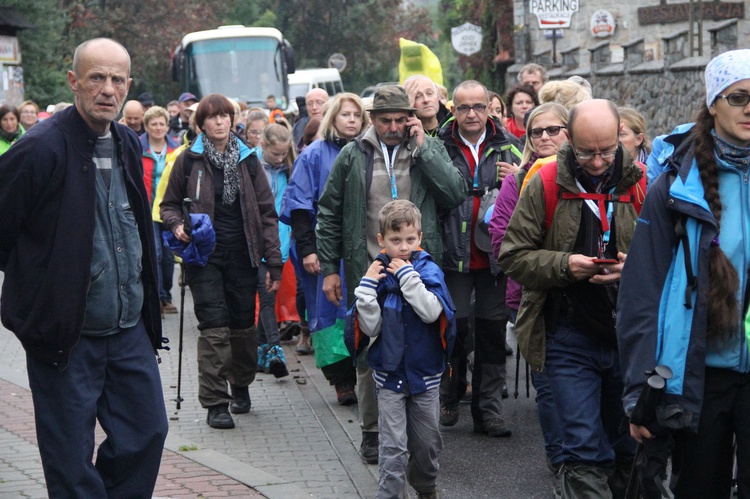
(186,448)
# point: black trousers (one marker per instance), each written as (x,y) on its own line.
(702,464)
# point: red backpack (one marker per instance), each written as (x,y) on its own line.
(552,194)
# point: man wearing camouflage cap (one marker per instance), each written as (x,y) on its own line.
(393,159)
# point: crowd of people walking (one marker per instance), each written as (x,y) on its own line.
(408,232)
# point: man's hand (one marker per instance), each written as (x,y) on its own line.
(179,233)
(272,286)
(311,264)
(375,271)
(396,264)
(609,272)
(505,169)
(415,129)
(332,288)
(582,267)
(639,433)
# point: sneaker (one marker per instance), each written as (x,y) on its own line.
(449,415)
(219,417)
(276,362)
(345,394)
(263,358)
(241,403)
(493,427)
(368,451)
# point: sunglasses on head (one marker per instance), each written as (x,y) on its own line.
(551,131)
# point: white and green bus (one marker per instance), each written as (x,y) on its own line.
(246,64)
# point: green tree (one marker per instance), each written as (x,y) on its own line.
(496,19)
(149,29)
(362,30)
(45,59)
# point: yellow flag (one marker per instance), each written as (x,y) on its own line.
(418,59)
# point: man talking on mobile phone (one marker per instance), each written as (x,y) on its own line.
(393,159)
(566,321)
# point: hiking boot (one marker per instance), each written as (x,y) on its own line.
(276,362)
(304,345)
(368,451)
(288,330)
(449,415)
(241,403)
(345,394)
(168,308)
(219,417)
(263,358)
(493,427)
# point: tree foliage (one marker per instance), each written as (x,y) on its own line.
(496,20)
(365,31)
(44,58)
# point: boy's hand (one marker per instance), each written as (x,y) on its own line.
(375,271)
(396,263)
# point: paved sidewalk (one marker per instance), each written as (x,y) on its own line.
(296,441)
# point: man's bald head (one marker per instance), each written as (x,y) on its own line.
(133,113)
(97,45)
(596,113)
(314,101)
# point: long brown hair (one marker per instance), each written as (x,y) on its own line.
(723,283)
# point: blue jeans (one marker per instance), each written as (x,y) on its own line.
(586,384)
(549,419)
(268,327)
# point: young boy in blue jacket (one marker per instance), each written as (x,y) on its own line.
(403,302)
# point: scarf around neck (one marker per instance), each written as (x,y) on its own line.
(734,155)
(228,163)
(10,136)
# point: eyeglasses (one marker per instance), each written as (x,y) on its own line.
(586,156)
(478,108)
(551,131)
(736,100)
(255,133)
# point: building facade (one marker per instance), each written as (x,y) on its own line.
(649,54)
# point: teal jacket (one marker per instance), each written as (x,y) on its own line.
(342,210)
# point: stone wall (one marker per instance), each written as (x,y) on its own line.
(666,97)
(668,91)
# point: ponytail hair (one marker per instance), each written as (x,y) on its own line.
(723,312)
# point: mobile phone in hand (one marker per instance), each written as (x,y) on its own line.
(606,260)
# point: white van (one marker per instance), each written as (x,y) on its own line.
(304,80)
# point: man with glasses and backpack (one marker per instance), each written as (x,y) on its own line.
(569,261)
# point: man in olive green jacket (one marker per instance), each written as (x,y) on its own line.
(392,160)
(566,321)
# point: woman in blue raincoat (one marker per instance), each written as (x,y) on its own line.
(344,118)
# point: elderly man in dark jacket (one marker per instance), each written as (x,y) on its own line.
(77,249)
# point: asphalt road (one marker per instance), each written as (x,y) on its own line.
(477,466)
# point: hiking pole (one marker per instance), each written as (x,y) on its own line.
(182,323)
(528,392)
(643,414)
(187,228)
(518,363)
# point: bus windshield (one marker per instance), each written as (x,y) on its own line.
(245,69)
